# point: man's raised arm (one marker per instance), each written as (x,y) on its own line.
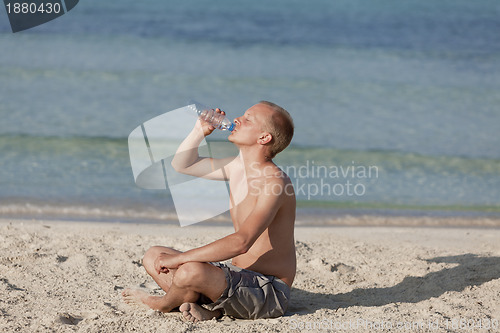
(188,161)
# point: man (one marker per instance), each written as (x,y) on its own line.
(262,248)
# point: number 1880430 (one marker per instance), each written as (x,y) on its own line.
(33,8)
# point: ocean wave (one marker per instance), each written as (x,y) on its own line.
(98,168)
(293,155)
(322,215)
(92,213)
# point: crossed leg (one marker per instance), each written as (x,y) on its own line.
(183,286)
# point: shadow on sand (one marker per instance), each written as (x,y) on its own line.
(472,270)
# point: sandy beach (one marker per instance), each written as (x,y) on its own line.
(68,276)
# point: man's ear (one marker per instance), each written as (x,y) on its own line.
(265,138)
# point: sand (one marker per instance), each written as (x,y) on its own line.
(68,276)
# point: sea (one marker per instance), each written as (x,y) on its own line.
(396,104)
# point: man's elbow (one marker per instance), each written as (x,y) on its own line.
(243,244)
(177,167)
(243,249)
(174,164)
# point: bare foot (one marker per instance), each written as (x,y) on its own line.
(135,297)
(194,312)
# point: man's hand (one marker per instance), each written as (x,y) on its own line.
(164,262)
(205,126)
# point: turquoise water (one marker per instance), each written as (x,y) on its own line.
(410,90)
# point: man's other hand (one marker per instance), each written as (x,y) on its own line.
(164,262)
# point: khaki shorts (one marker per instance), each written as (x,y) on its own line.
(249,295)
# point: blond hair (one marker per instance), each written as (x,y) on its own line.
(280,126)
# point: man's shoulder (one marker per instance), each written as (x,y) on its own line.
(278,183)
(280,176)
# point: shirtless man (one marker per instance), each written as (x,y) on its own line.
(262,248)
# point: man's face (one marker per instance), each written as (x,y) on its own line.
(249,127)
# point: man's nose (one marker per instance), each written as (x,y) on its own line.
(236,121)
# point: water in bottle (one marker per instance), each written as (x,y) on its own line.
(217,120)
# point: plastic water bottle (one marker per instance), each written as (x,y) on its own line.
(217,120)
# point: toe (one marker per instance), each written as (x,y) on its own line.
(187,316)
(185,307)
